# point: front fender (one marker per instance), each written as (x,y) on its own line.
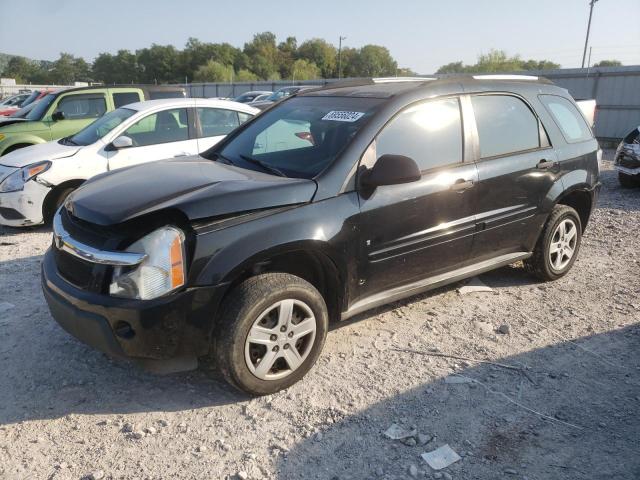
(324,227)
(19,139)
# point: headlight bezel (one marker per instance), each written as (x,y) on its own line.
(162,272)
(16,181)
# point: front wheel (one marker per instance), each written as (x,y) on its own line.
(558,245)
(272,330)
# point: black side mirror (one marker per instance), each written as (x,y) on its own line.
(57,116)
(391,170)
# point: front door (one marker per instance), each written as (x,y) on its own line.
(417,230)
(78,110)
(160,135)
(516,170)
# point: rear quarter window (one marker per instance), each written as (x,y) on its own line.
(570,121)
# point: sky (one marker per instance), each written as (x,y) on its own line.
(421,34)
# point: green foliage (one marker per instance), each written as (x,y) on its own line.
(245,75)
(608,63)
(321,53)
(374,61)
(305,70)
(213,71)
(498,61)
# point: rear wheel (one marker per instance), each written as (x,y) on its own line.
(628,181)
(272,330)
(558,245)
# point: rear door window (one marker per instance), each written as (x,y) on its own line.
(570,121)
(217,121)
(77,107)
(430,133)
(505,125)
(125,98)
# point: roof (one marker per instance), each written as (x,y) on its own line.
(141,87)
(191,102)
(392,86)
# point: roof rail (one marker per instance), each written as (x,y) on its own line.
(357,82)
(532,78)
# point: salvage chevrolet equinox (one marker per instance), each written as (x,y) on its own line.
(335,201)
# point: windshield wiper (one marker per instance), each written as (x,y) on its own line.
(224,159)
(266,167)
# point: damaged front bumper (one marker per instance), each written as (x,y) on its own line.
(165,335)
(23,208)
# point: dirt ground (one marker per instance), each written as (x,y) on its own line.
(568,408)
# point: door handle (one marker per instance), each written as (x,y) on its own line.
(183,154)
(461,185)
(544,164)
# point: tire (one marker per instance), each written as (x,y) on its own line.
(52,204)
(256,307)
(628,181)
(547,262)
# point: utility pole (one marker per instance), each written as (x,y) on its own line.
(340,56)
(586,40)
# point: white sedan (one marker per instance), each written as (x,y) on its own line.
(34,181)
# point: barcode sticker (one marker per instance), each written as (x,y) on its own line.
(338,116)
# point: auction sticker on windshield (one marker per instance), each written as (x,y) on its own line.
(338,116)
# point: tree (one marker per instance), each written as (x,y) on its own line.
(287,54)
(245,75)
(160,64)
(21,69)
(121,68)
(213,71)
(68,69)
(608,63)
(304,70)
(197,53)
(498,61)
(453,67)
(374,61)
(321,53)
(263,55)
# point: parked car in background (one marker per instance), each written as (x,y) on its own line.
(14,99)
(262,97)
(332,202)
(35,96)
(251,96)
(279,95)
(37,179)
(627,159)
(65,112)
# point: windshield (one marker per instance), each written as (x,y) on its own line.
(300,137)
(24,110)
(98,129)
(30,98)
(41,108)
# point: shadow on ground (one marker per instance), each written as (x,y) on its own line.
(592,399)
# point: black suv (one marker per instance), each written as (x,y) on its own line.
(333,202)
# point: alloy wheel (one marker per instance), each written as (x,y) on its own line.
(280,339)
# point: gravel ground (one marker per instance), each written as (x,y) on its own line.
(568,408)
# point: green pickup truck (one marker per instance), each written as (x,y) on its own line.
(65,112)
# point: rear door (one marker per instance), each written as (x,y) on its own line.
(159,135)
(418,230)
(213,124)
(516,169)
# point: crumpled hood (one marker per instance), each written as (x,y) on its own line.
(36,153)
(198,187)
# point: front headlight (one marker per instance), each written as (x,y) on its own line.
(161,272)
(15,182)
